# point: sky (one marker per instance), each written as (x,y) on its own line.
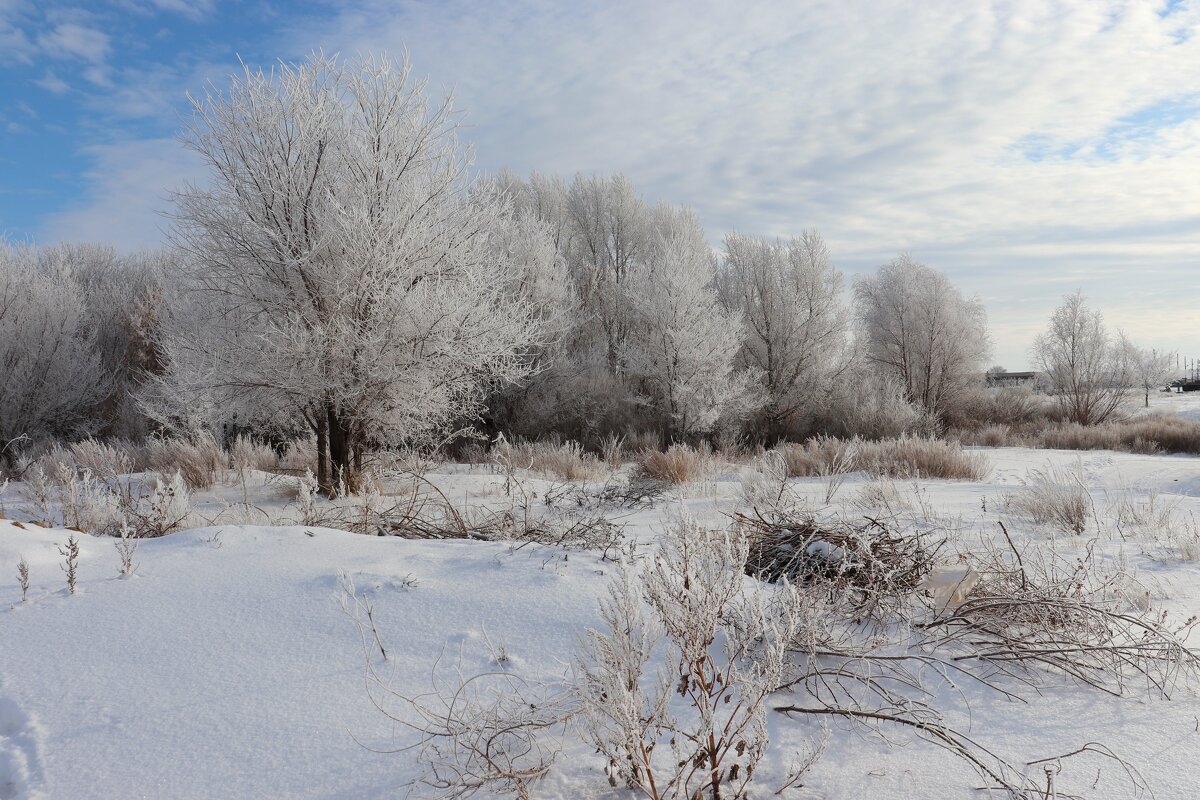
(1026,149)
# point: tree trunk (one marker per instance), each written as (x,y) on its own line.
(323,454)
(341,476)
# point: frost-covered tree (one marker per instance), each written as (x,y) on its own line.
(601,230)
(918,327)
(122,298)
(536,274)
(52,374)
(611,230)
(681,349)
(1151,369)
(796,326)
(340,271)
(1090,371)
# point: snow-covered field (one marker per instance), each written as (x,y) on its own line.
(1180,404)
(226,666)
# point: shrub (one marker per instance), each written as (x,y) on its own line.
(164,510)
(725,650)
(678,464)
(876,408)
(92,506)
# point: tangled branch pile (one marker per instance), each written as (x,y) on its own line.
(873,558)
(1069,617)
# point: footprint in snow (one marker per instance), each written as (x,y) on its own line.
(20,752)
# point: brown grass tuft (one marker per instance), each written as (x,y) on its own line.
(679,464)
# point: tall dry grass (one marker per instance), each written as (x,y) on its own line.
(1147,435)
(565,460)
(902,457)
(679,463)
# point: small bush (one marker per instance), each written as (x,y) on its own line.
(993,436)
(164,510)
(93,506)
(678,464)
(876,408)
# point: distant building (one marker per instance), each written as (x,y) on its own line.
(1013,378)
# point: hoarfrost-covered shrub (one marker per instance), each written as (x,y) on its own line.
(91,505)
(697,727)
(165,509)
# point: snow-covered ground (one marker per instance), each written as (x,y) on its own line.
(1186,405)
(226,667)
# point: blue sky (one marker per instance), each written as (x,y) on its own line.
(1025,148)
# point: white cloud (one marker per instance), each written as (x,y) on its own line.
(14,42)
(52,83)
(1023,148)
(75,39)
(989,139)
(130,190)
(195,9)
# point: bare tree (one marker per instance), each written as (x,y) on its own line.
(1090,372)
(796,325)
(918,327)
(340,271)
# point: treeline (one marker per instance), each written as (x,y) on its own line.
(342,275)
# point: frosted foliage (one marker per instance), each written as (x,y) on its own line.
(52,372)
(339,267)
(683,345)
(1089,370)
(796,324)
(918,328)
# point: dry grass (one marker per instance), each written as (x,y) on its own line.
(299,457)
(106,459)
(199,461)
(1147,435)
(1056,497)
(903,457)
(567,460)
(248,454)
(678,464)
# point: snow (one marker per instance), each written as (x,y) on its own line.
(226,666)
